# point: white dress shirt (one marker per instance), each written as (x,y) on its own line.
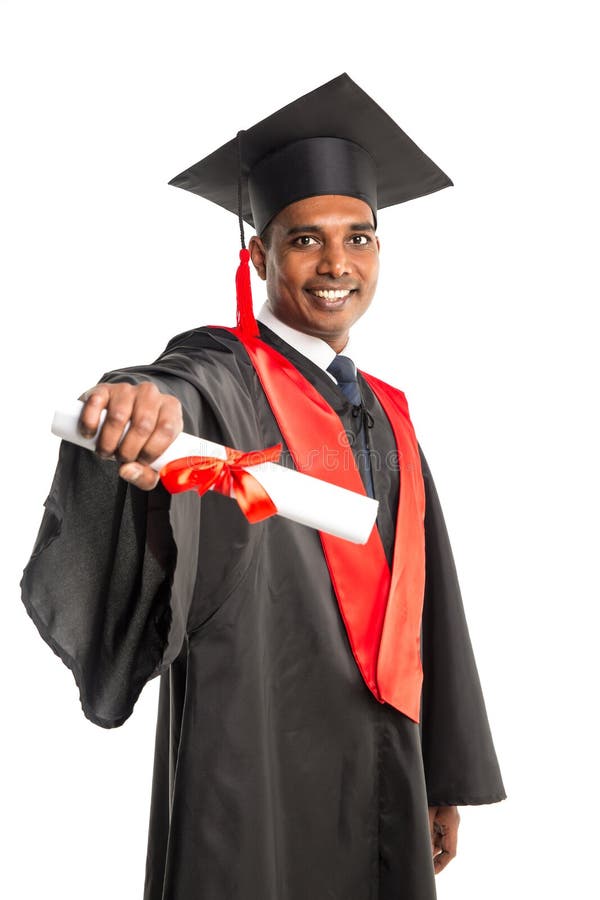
(318,351)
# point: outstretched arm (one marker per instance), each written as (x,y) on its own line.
(107,584)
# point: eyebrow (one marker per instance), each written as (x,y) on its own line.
(302,229)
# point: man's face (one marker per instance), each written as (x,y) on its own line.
(321,265)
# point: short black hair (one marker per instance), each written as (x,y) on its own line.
(267,234)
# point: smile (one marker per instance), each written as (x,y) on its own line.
(331,295)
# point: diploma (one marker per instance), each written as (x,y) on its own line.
(299,497)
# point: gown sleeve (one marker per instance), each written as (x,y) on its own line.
(113,569)
(461,767)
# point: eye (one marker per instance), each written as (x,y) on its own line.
(305,240)
(360,240)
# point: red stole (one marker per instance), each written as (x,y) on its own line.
(381,609)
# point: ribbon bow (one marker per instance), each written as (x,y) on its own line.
(227,476)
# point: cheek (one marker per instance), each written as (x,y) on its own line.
(293,272)
(282,282)
(370,274)
(375,271)
(276,274)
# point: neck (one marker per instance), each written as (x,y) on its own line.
(338,343)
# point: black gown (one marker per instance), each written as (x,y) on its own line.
(277,774)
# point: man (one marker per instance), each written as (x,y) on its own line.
(296,756)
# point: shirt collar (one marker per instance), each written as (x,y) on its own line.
(318,351)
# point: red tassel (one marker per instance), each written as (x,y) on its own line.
(245,314)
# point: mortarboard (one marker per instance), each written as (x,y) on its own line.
(333,140)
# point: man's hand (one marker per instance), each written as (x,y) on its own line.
(156,420)
(443,828)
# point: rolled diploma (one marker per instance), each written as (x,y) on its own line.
(299,497)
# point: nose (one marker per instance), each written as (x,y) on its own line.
(333,260)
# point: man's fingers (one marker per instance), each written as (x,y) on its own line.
(118,414)
(169,423)
(449,840)
(441,861)
(140,423)
(441,855)
(144,416)
(94,401)
(445,836)
(141,476)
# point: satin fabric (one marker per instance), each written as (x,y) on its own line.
(227,476)
(277,774)
(381,609)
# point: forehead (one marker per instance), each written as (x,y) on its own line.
(328,209)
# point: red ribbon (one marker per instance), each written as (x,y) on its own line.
(227,476)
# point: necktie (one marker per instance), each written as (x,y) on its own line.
(344,371)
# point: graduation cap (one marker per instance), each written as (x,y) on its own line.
(333,140)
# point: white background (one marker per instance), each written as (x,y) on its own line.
(483,316)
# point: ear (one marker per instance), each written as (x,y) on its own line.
(258,255)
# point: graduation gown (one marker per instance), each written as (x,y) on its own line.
(277,774)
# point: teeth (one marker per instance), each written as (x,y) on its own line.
(331,295)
